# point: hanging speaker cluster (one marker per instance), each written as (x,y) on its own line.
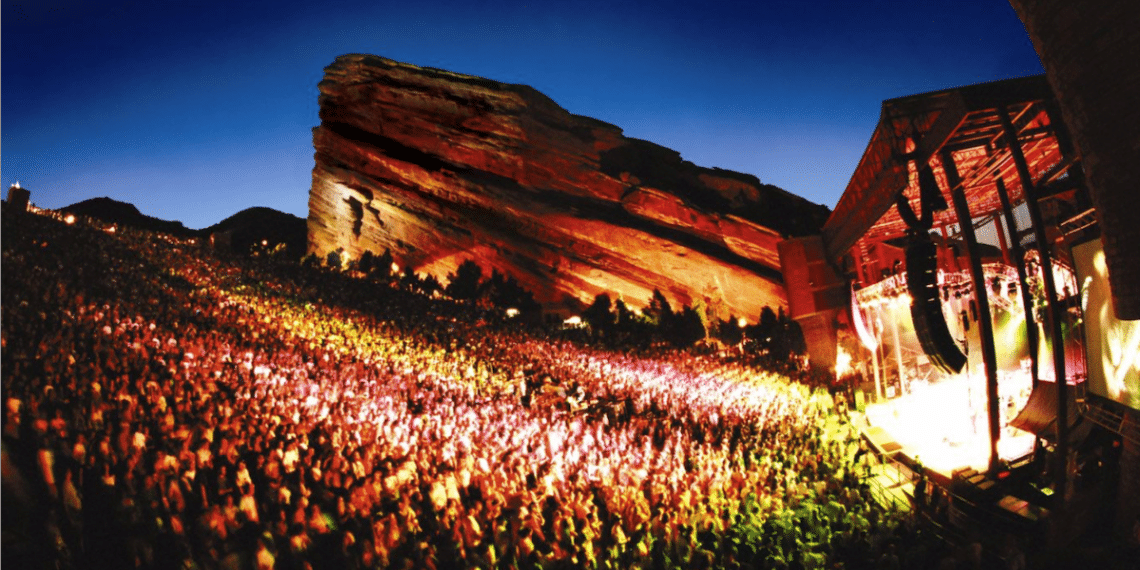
(926,305)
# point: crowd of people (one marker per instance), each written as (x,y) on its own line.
(169,407)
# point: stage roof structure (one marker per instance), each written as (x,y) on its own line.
(993,153)
(966,122)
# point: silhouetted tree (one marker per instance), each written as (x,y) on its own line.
(702,311)
(527,304)
(768,320)
(659,312)
(464,283)
(428,285)
(409,281)
(382,267)
(334,259)
(506,292)
(494,289)
(685,328)
(631,328)
(623,317)
(797,345)
(598,314)
(367,262)
(729,332)
(777,336)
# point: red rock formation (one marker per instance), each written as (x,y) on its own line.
(440,167)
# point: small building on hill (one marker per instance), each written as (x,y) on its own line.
(18,196)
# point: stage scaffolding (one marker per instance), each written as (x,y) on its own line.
(987,177)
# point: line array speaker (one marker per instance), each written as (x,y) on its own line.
(926,306)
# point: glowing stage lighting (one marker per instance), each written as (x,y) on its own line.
(944,422)
(868,338)
(843,364)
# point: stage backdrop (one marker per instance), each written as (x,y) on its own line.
(1113,345)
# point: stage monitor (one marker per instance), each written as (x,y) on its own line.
(1113,345)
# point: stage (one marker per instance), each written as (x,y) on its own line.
(943,424)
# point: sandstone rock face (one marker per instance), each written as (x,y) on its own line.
(440,167)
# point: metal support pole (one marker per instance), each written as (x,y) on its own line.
(1001,241)
(860,260)
(1019,263)
(981,296)
(898,352)
(878,373)
(1045,253)
(953,257)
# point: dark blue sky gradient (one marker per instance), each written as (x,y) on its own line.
(195,110)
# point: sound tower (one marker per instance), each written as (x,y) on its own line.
(926,305)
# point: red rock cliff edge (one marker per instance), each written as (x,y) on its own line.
(441,167)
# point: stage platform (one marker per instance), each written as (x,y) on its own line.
(943,426)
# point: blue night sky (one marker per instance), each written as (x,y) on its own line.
(195,110)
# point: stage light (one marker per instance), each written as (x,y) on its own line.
(865,335)
(1085,294)
(512,312)
(842,364)
(1014,338)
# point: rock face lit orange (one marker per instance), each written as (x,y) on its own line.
(440,167)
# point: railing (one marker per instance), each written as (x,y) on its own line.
(885,497)
(883,493)
(1111,419)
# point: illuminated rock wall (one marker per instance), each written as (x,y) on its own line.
(440,167)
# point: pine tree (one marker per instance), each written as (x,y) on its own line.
(367,261)
(598,314)
(464,283)
(334,260)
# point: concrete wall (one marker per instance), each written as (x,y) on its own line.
(816,295)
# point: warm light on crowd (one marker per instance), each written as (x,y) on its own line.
(408,429)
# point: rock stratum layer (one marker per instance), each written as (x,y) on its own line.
(440,167)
